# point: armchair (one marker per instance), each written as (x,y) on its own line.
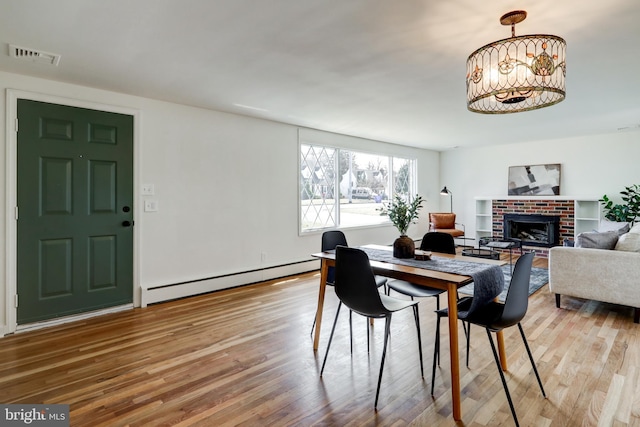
(446,223)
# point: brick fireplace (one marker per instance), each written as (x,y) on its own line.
(563,209)
(532,229)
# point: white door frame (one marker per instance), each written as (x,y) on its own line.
(11,190)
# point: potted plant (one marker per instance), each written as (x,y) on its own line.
(402,214)
(627,212)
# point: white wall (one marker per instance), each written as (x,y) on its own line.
(227,191)
(227,188)
(591,167)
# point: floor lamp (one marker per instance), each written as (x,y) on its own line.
(447,192)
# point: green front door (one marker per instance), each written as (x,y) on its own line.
(75,210)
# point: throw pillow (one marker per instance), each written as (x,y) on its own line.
(607,225)
(596,240)
(629,242)
(635,229)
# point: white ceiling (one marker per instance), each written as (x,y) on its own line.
(381,69)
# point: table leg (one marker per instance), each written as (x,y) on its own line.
(453,346)
(324,270)
(501,351)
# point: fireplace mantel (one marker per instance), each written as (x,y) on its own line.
(577,214)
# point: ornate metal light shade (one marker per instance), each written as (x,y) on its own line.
(516,74)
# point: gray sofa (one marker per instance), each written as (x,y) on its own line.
(608,275)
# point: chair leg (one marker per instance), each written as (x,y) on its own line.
(468,330)
(351,331)
(314,323)
(504,381)
(350,328)
(535,370)
(333,329)
(368,333)
(436,353)
(417,318)
(387,328)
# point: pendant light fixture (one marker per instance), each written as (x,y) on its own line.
(517,74)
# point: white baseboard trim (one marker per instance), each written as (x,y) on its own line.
(182,290)
(72,318)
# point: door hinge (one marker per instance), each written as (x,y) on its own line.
(16,124)
(16,301)
(16,213)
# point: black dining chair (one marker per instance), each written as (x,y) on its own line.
(495,316)
(330,240)
(356,288)
(432,241)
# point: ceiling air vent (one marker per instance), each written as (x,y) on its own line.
(34,55)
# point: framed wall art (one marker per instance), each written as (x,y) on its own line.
(534,180)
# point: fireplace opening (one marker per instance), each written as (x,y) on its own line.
(532,230)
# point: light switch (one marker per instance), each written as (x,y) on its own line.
(148,190)
(151,206)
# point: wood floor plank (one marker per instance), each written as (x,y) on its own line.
(244,356)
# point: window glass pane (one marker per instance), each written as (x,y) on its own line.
(403,177)
(363,185)
(343,188)
(317,187)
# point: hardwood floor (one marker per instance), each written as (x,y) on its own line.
(244,357)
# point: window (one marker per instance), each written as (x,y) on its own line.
(343,188)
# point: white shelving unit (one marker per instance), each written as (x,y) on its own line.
(484,220)
(587,213)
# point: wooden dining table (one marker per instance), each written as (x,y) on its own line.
(450,282)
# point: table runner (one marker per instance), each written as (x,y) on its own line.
(488,278)
(445,265)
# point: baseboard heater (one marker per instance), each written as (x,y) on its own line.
(171,291)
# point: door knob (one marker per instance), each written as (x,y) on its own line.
(127,223)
